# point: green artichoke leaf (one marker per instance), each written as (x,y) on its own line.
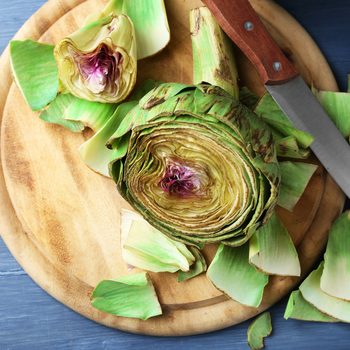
(295,177)
(331,306)
(259,329)
(94,152)
(272,114)
(200,166)
(231,273)
(98,62)
(147,248)
(128,296)
(217,68)
(272,250)
(288,147)
(149,19)
(335,279)
(75,113)
(35,72)
(198,267)
(337,106)
(299,309)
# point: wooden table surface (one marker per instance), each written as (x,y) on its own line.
(31,319)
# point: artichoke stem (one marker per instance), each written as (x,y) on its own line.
(213,58)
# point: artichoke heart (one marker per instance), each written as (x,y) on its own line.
(200,166)
(98,62)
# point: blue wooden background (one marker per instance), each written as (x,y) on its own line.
(31,319)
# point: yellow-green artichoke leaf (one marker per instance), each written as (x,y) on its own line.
(337,106)
(335,279)
(259,329)
(200,166)
(94,152)
(231,273)
(145,247)
(149,19)
(272,114)
(35,72)
(288,147)
(331,306)
(298,308)
(128,296)
(219,67)
(198,267)
(75,113)
(295,177)
(98,62)
(272,250)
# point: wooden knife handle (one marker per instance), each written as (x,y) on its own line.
(241,23)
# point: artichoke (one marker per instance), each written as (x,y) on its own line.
(98,62)
(200,166)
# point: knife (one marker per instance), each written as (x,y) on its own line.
(241,23)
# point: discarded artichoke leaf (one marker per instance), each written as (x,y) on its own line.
(231,273)
(98,62)
(272,114)
(35,72)
(312,293)
(288,147)
(299,309)
(295,177)
(75,113)
(221,153)
(337,106)
(149,19)
(217,68)
(335,279)
(260,328)
(128,296)
(248,98)
(147,248)
(198,267)
(94,152)
(272,250)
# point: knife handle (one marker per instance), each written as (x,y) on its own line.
(241,23)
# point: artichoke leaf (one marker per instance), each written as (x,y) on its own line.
(98,62)
(259,329)
(331,306)
(299,309)
(128,296)
(145,247)
(75,113)
(248,98)
(198,267)
(295,176)
(219,67)
(335,279)
(272,114)
(149,19)
(35,72)
(231,273)
(272,250)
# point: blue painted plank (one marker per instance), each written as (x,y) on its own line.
(31,319)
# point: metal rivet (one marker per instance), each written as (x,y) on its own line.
(277,66)
(248,26)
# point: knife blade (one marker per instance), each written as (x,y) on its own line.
(241,23)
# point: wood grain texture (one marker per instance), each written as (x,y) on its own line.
(62,271)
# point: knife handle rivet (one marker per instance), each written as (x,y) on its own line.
(277,66)
(248,26)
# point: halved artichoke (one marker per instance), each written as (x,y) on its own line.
(200,166)
(98,62)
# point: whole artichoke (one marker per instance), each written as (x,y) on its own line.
(200,166)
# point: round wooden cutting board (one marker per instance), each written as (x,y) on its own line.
(61,220)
